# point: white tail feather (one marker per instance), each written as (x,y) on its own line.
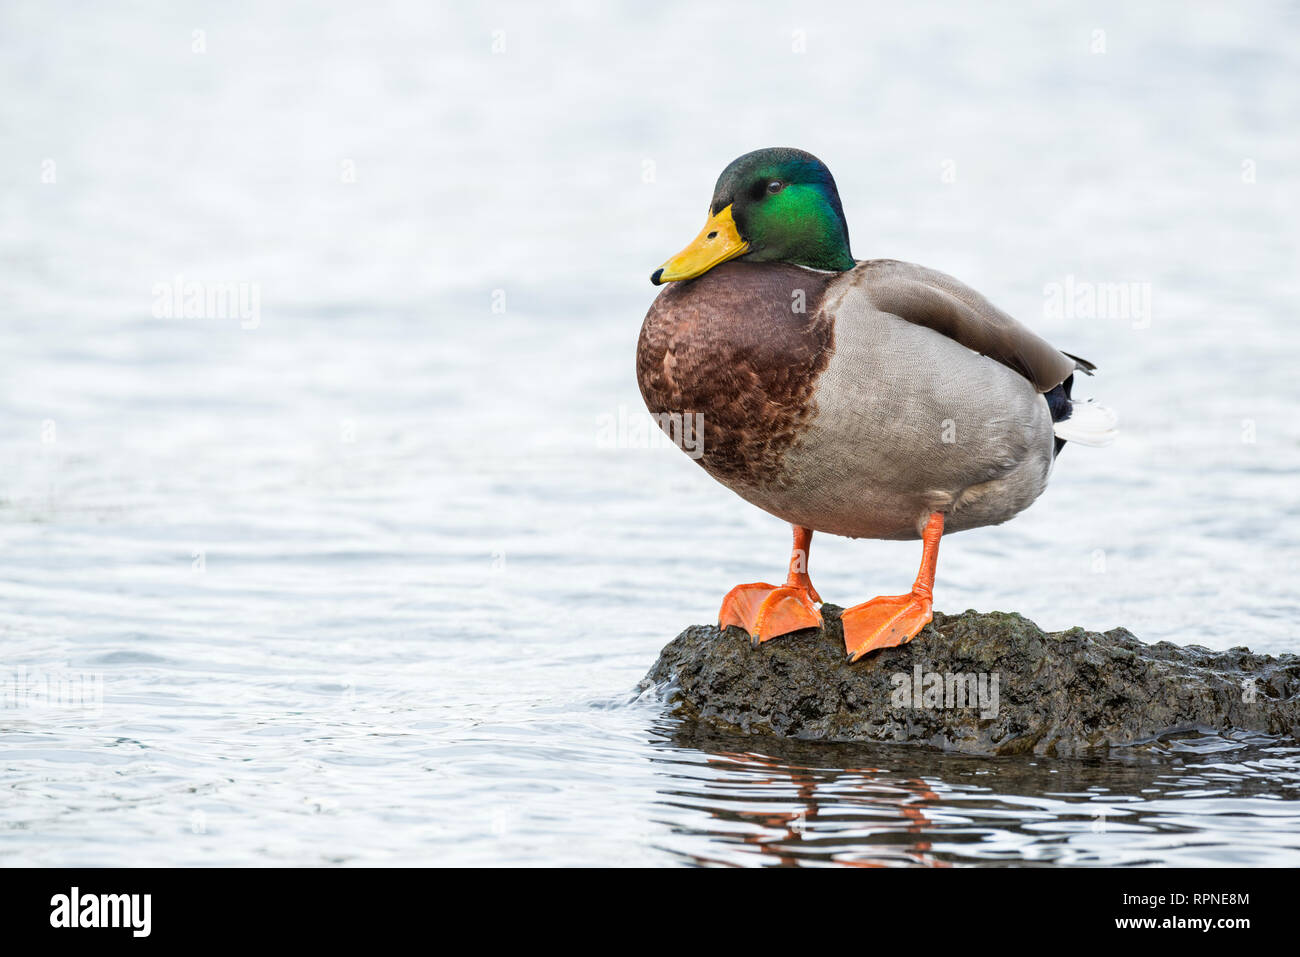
(1088,424)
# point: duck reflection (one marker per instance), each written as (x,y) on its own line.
(771,801)
(792,811)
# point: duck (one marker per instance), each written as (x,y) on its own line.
(862,398)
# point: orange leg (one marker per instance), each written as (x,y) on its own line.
(766,611)
(895,620)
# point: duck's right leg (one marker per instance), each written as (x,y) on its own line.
(766,611)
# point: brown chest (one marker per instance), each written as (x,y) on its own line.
(737,352)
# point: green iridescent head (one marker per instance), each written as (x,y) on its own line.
(771,205)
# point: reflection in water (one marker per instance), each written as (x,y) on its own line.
(1195,801)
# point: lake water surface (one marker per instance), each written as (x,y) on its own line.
(351,576)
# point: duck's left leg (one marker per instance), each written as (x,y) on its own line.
(896,619)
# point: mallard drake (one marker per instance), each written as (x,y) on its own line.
(871,399)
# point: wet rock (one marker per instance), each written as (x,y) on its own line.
(978,683)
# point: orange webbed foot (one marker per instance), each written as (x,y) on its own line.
(896,619)
(768,611)
(884,623)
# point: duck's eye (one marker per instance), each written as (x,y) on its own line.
(775,186)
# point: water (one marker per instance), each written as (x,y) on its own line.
(359,584)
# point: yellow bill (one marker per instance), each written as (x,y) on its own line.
(717,242)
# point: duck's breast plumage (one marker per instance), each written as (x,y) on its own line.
(744,345)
